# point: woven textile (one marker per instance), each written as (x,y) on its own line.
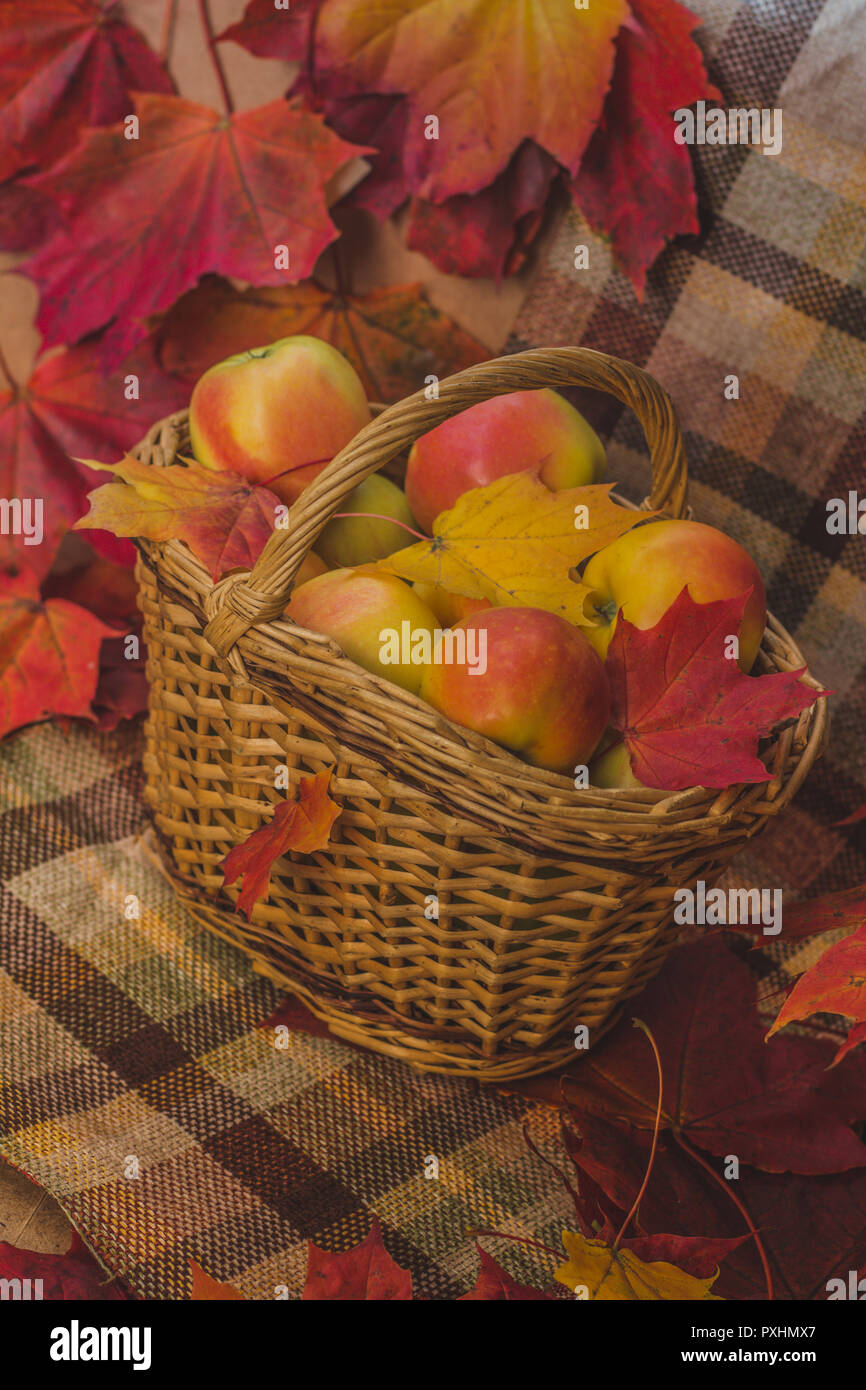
(125,1038)
(773,290)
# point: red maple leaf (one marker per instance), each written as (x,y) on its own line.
(835,984)
(486,233)
(495,1285)
(69,409)
(268,32)
(49,655)
(774,1106)
(73,1275)
(812,1229)
(301,826)
(366,1272)
(65,64)
(635,183)
(196,192)
(688,715)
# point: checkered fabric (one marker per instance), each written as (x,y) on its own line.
(772,290)
(132,1044)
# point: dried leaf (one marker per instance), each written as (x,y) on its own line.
(773,1106)
(635,183)
(268,32)
(49,655)
(206,1289)
(495,1285)
(393,337)
(196,192)
(70,409)
(301,827)
(688,715)
(514,542)
(489,232)
(364,1273)
(223,519)
(65,64)
(494,74)
(835,984)
(607,1274)
(75,1275)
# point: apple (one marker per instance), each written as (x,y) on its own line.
(505,434)
(643,571)
(544,693)
(449,608)
(359,540)
(357,610)
(311,567)
(612,768)
(277,414)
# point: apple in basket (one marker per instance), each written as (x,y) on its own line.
(360,539)
(277,414)
(505,434)
(642,572)
(538,688)
(356,609)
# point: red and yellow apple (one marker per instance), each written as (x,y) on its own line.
(311,567)
(356,610)
(277,414)
(505,434)
(643,571)
(348,541)
(543,694)
(612,768)
(449,608)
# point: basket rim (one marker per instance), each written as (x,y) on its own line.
(522,789)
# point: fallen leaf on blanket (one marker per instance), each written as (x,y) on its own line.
(365,1273)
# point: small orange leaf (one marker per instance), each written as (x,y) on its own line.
(206,1289)
(514,542)
(224,519)
(301,826)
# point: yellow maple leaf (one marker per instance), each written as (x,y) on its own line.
(514,542)
(595,1270)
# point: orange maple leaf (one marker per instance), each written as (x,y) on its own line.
(301,826)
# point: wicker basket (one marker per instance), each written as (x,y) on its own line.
(554,905)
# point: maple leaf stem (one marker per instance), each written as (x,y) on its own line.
(166,41)
(726,1187)
(638,1023)
(521,1240)
(575,1196)
(377,516)
(5,369)
(207,26)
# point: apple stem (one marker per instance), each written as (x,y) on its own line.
(377,516)
(207,25)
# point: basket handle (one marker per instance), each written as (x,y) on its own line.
(239,602)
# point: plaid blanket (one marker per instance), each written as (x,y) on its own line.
(141,1090)
(773,291)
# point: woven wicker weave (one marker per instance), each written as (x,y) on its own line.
(554,905)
